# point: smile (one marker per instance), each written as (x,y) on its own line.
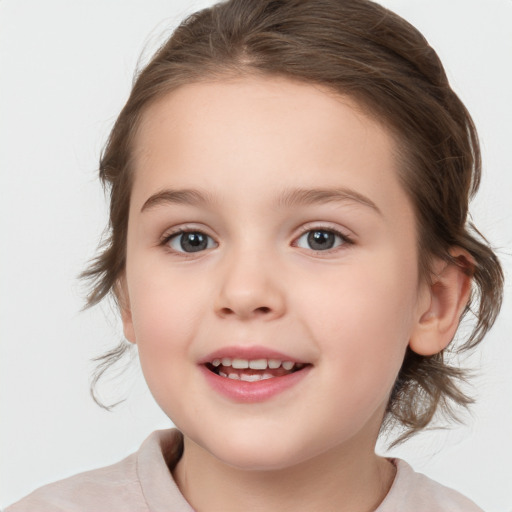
(249,375)
(252,370)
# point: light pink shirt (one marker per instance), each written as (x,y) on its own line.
(143,483)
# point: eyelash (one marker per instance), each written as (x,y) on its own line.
(176,234)
(344,238)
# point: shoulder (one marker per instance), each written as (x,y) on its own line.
(416,492)
(137,483)
(82,491)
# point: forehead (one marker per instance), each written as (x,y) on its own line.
(258,134)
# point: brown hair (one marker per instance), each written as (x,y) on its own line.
(356,48)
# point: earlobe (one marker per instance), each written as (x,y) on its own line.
(448,296)
(123,299)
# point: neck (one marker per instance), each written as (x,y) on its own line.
(353,480)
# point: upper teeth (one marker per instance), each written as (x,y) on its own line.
(254,364)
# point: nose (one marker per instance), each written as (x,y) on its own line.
(250,287)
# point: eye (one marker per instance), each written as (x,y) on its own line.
(321,240)
(190,241)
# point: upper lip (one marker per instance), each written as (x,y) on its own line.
(249,353)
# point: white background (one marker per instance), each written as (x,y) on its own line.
(65,72)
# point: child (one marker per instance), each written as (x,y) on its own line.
(289,252)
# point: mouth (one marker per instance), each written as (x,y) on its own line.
(252,374)
(253,370)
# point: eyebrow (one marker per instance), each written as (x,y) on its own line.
(301,196)
(183,196)
(290,198)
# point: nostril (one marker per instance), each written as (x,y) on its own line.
(261,311)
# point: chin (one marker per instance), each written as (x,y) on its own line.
(253,452)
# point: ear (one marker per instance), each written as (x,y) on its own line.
(447,297)
(123,299)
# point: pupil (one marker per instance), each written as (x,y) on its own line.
(193,242)
(321,240)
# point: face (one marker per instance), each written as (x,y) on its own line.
(267,227)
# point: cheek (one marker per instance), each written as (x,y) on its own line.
(159,298)
(165,319)
(362,320)
(166,311)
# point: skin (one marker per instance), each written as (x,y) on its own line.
(350,311)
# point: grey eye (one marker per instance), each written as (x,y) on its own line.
(320,240)
(191,241)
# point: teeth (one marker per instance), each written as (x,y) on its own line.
(256,364)
(247,377)
(241,364)
(255,377)
(250,378)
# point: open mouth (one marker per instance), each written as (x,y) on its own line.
(253,370)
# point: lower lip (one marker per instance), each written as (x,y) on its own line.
(250,392)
